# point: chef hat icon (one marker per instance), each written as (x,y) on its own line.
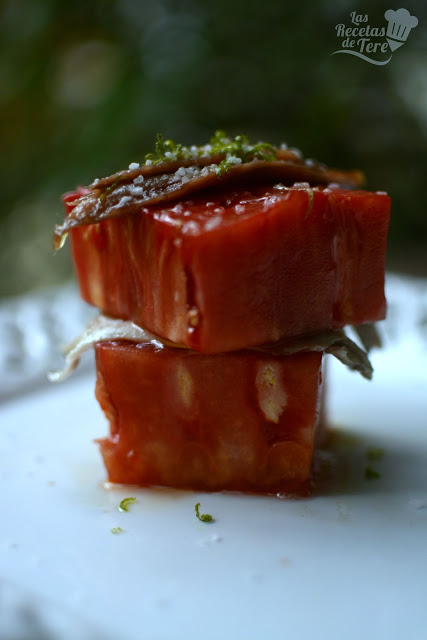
(400,23)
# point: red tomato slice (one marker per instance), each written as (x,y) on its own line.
(232,269)
(242,421)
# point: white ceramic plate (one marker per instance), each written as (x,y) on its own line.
(349,562)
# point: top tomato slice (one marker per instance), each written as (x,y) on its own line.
(237,268)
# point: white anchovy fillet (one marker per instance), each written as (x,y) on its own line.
(334,342)
(102,328)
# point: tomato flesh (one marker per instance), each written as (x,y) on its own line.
(242,421)
(231,269)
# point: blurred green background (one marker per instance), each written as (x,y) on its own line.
(85,86)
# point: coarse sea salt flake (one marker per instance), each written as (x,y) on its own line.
(268,202)
(137,191)
(296,152)
(185,179)
(134,165)
(138,180)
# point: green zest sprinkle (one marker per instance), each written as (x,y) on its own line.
(310,202)
(375,453)
(116,530)
(204,517)
(236,150)
(125,503)
(371,474)
(239,148)
(110,188)
(166,150)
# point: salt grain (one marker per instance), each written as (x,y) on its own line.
(136,191)
(134,165)
(301,185)
(296,152)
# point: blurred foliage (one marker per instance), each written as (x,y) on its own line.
(85,86)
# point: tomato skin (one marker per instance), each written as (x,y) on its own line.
(242,421)
(291,264)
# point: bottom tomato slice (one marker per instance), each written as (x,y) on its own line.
(241,421)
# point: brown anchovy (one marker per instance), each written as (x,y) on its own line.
(118,194)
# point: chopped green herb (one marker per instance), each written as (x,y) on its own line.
(204,517)
(116,530)
(371,474)
(125,503)
(375,453)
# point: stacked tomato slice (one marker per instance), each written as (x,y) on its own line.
(241,421)
(227,271)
